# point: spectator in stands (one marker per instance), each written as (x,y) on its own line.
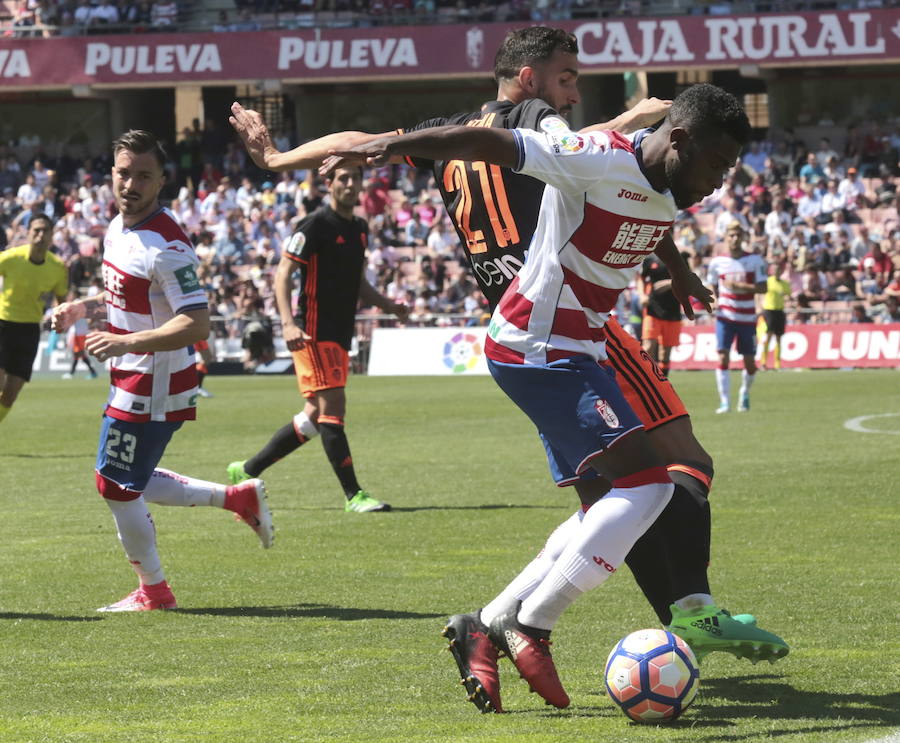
(832,201)
(810,205)
(838,226)
(890,223)
(867,285)
(844,287)
(859,314)
(811,172)
(416,231)
(825,152)
(778,222)
(375,198)
(755,158)
(891,311)
(104,13)
(731,213)
(28,191)
(438,242)
(853,191)
(880,261)
(164,14)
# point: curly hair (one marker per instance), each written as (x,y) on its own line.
(703,109)
(524,47)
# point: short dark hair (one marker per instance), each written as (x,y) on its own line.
(43,216)
(140,141)
(524,47)
(704,109)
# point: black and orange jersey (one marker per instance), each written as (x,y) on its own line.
(330,251)
(495,211)
(660,304)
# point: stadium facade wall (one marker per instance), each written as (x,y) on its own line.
(825,65)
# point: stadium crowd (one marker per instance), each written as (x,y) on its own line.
(826,221)
(36,18)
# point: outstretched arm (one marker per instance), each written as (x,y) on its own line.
(646,113)
(258,142)
(438,143)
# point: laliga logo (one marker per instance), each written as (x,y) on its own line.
(607,413)
(461,353)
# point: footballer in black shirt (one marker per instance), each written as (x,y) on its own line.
(661,328)
(329,248)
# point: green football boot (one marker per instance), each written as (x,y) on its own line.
(362,502)
(710,628)
(236,474)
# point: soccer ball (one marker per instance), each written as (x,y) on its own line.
(652,675)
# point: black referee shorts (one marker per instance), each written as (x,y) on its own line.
(18,347)
(775,322)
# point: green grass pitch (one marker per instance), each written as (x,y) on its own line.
(333,634)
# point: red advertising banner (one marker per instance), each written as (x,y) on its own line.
(845,37)
(802,346)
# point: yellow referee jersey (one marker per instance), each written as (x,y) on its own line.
(25,284)
(776,290)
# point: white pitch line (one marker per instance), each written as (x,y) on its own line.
(856,425)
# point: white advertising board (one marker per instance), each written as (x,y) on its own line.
(427,351)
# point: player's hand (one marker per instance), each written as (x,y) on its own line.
(373,153)
(102,345)
(689,285)
(400,310)
(294,337)
(253,132)
(66,315)
(650,110)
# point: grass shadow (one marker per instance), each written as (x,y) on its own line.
(321,611)
(46,617)
(770,697)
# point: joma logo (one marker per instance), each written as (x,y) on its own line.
(624,193)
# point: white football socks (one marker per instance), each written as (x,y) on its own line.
(138,536)
(723,383)
(694,601)
(525,582)
(746,382)
(168,488)
(609,530)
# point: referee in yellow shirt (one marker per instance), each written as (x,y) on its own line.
(777,290)
(27,272)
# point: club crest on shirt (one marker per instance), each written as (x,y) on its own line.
(607,413)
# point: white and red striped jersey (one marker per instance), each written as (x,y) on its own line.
(599,219)
(150,275)
(739,307)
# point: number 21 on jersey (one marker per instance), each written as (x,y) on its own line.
(496,204)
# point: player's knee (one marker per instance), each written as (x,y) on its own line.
(305,426)
(111,490)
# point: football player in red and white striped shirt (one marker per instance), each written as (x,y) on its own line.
(609,203)
(156,308)
(736,278)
